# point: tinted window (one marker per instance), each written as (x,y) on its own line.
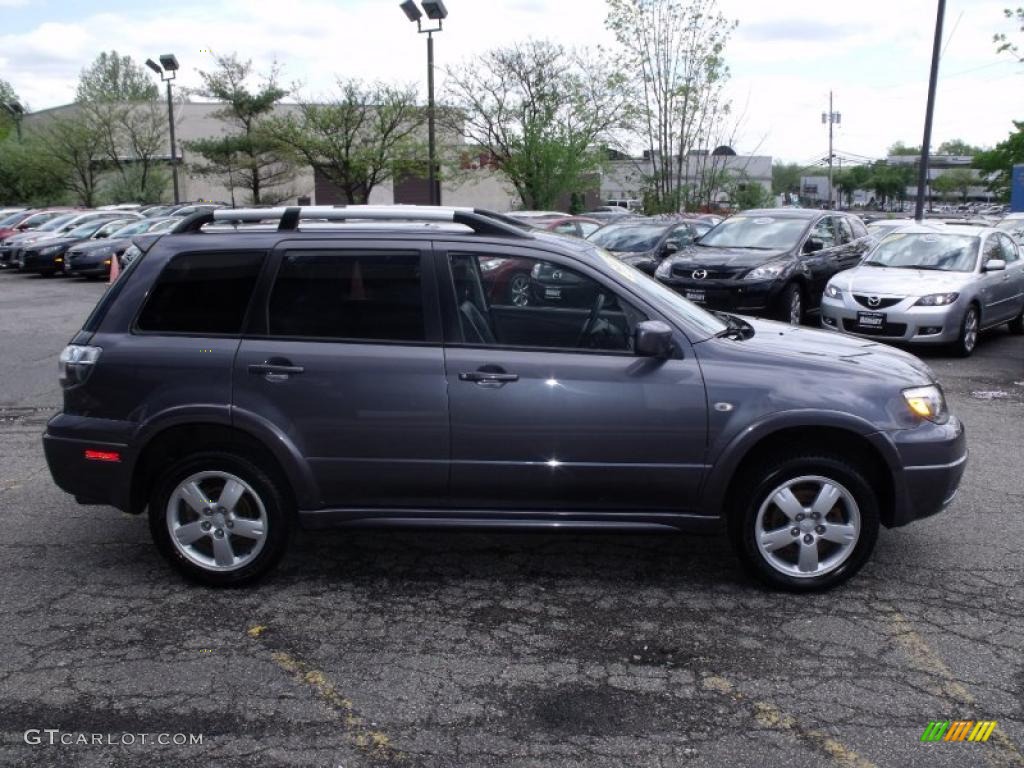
(348,295)
(1008,248)
(823,231)
(845,230)
(859,230)
(523,302)
(203,293)
(629,238)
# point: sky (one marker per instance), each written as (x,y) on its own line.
(785,56)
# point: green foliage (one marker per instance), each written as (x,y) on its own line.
(786,178)
(901,149)
(250,157)
(29,174)
(955,181)
(74,146)
(7,95)
(115,78)
(745,194)
(958,147)
(365,135)
(136,185)
(541,113)
(1003,42)
(849,180)
(997,163)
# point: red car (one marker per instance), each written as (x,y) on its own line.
(580,226)
(26,220)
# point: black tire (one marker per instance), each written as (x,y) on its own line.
(756,486)
(279,516)
(1017,324)
(791,305)
(967,342)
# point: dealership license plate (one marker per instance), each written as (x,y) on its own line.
(552,293)
(871,320)
(697,296)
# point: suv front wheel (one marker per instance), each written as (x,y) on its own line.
(805,523)
(219,519)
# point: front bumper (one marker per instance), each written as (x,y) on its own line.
(904,322)
(31,260)
(744,296)
(933,458)
(87,265)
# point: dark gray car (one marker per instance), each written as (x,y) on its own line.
(236,383)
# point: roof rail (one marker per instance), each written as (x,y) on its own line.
(481,221)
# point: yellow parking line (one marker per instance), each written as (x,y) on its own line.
(768,715)
(373,742)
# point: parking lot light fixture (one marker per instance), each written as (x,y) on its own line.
(436,11)
(168,70)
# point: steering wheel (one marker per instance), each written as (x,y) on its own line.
(592,318)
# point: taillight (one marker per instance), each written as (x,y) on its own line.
(92,455)
(76,362)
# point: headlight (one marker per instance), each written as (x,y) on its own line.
(664,270)
(928,403)
(51,249)
(832,292)
(766,272)
(937,300)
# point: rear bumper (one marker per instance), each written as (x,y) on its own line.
(934,460)
(90,481)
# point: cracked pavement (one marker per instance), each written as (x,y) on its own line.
(467,649)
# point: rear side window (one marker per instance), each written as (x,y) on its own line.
(375,296)
(859,230)
(202,293)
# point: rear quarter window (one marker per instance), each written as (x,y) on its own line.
(202,293)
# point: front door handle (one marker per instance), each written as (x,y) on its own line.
(489,378)
(276,369)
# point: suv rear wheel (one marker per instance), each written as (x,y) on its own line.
(219,519)
(805,522)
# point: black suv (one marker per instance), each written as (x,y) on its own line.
(237,380)
(771,262)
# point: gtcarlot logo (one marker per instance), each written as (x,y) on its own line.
(55,736)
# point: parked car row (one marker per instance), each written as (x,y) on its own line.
(80,241)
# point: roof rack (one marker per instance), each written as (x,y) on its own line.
(481,221)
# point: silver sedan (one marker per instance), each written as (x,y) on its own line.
(930,284)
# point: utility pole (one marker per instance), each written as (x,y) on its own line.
(922,173)
(832,118)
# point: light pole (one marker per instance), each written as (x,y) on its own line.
(832,118)
(922,171)
(435,11)
(16,111)
(169,62)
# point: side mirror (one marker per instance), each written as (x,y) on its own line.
(652,338)
(813,245)
(994,265)
(669,248)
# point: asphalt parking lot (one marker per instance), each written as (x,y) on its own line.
(414,649)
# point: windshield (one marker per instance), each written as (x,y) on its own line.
(122,230)
(85,230)
(629,238)
(14,218)
(946,253)
(671,301)
(54,224)
(763,232)
(112,226)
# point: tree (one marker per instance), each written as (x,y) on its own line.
(29,173)
(956,180)
(744,193)
(367,134)
(997,163)
(786,178)
(849,180)
(958,147)
(7,95)
(115,78)
(901,149)
(1002,40)
(541,114)
(678,73)
(249,157)
(75,146)
(117,97)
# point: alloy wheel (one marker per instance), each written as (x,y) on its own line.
(807,527)
(216,521)
(970,330)
(519,290)
(796,308)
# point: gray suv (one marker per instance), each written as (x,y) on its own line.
(259,369)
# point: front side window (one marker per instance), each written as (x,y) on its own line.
(1008,248)
(352,295)
(202,293)
(523,302)
(823,231)
(845,230)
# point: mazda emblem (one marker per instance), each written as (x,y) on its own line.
(874,301)
(556,275)
(699,274)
